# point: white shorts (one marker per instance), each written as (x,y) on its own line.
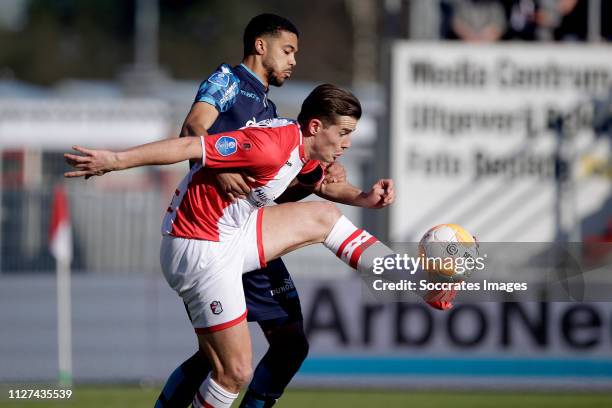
(207,275)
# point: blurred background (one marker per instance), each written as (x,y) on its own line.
(494,114)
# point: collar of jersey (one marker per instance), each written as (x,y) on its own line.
(254,76)
(301,147)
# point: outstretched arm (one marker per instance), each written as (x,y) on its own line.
(96,162)
(381,195)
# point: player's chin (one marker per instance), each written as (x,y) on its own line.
(277,80)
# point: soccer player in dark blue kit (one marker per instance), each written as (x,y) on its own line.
(233,97)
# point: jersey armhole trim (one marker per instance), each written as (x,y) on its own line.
(203,150)
(301,144)
(207,99)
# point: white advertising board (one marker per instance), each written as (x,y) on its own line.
(471,143)
(357,341)
(56,124)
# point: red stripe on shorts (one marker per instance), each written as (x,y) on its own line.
(222,326)
(260,248)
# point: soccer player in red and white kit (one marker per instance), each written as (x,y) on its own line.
(209,241)
(230,98)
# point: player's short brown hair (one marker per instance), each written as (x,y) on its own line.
(327,102)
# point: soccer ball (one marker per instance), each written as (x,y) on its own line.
(446,250)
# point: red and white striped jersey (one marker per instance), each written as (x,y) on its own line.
(271,151)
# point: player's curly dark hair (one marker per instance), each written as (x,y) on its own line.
(326,102)
(265,24)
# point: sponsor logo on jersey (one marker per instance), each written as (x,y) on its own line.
(219,78)
(264,123)
(251,95)
(226,145)
(229,93)
(259,198)
(275,122)
(216,307)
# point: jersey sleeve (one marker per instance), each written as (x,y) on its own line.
(233,150)
(259,151)
(220,89)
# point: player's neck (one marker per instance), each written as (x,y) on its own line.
(254,64)
(308,142)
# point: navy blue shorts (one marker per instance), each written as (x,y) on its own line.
(271,296)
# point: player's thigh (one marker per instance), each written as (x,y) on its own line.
(228,350)
(290,226)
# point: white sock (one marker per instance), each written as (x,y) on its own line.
(212,395)
(350,243)
(358,248)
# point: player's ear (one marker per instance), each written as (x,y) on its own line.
(260,46)
(314,125)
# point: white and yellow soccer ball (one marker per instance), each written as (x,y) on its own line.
(446,250)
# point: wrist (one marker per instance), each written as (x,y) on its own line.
(116,160)
(361,199)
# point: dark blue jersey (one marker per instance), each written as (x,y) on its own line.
(241,99)
(239,96)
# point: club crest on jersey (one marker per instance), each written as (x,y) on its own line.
(219,78)
(226,145)
(216,307)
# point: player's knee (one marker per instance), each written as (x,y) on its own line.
(236,375)
(241,374)
(327,215)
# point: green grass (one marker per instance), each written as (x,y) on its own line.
(91,397)
(124,397)
(417,399)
